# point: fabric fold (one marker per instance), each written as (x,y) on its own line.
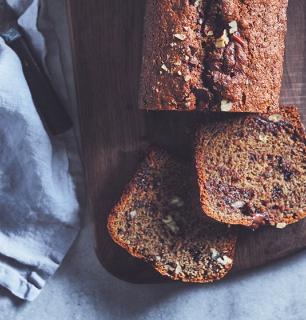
(39,210)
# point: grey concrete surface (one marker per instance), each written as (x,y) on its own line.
(83,290)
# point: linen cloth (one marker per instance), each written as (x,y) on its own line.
(39,210)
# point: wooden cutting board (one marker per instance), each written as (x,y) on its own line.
(107,44)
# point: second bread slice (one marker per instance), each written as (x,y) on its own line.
(251,169)
(159,221)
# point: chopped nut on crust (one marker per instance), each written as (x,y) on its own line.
(180,36)
(281,225)
(171,224)
(226,105)
(233,27)
(223,41)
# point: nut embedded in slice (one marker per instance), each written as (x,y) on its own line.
(233,27)
(223,41)
(180,36)
(226,105)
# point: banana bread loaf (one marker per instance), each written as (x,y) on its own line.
(158,220)
(251,169)
(218,55)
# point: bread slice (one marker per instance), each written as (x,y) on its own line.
(251,169)
(213,55)
(158,220)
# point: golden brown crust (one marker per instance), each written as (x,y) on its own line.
(184,70)
(158,159)
(262,25)
(288,113)
(165,66)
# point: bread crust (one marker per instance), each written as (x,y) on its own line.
(164,66)
(183,70)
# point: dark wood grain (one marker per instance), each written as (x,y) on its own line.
(107,42)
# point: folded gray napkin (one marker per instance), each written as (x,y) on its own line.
(39,212)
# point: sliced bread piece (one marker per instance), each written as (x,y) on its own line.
(156,220)
(251,169)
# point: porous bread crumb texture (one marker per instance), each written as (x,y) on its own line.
(158,221)
(251,169)
(212,53)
